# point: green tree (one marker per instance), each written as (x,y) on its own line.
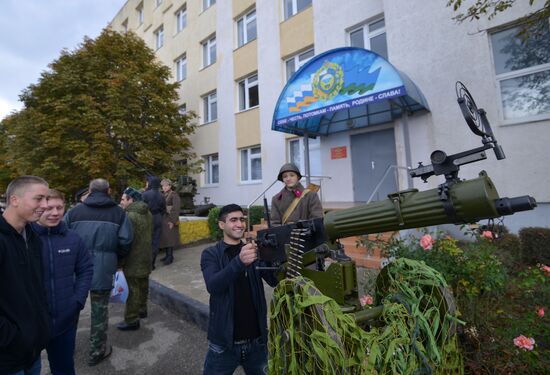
(96,106)
(491,8)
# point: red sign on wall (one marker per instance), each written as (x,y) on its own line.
(339,152)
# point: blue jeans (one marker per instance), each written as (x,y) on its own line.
(61,353)
(252,356)
(33,370)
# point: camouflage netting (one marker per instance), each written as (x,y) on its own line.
(415,334)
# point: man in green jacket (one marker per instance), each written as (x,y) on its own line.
(137,264)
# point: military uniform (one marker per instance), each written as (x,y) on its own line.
(308,207)
(137,265)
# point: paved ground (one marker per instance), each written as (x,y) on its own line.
(163,345)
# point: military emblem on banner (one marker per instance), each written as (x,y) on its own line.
(328,81)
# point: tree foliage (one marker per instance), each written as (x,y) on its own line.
(95,106)
(491,8)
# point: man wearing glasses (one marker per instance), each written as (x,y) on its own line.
(237,328)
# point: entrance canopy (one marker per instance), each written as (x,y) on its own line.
(344,89)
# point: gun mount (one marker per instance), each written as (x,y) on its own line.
(311,248)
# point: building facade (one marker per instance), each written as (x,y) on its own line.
(234,57)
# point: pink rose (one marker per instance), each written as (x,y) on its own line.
(487,234)
(546,269)
(523,342)
(426,242)
(366,300)
(540,312)
(297,193)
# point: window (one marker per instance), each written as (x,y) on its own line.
(159,37)
(295,6)
(211,169)
(210,109)
(246,28)
(181,68)
(125,25)
(181,19)
(209,52)
(248,93)
(139,11)
(158,2)
(296,155)
(182,109)
(296,62)
(522,67)
(251,164)
(371,36)
(207,4)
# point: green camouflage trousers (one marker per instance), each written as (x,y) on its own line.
(100,321)
(136,304)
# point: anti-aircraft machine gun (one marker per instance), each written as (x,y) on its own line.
(317,325)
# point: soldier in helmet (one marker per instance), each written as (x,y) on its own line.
(293,202)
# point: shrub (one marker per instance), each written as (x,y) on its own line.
(255,215)
(509,250)
(215,231)
(535,243)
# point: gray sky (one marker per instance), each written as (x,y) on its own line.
(33,33)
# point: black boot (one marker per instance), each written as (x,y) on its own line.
(169,256)
(163,259)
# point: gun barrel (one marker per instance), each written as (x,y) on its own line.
(507,206)
(462,202)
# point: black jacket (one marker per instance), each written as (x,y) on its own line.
(24,318)
(106,232)
(219,274)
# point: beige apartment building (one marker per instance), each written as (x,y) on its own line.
(233,58)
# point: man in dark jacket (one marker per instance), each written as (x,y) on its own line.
(157,205)
(24,318)
(237,328)
(107,232)
(137,265)
(68,271)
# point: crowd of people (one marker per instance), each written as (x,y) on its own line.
(50,260)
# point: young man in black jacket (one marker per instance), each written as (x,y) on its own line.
(237,328)
(24,318)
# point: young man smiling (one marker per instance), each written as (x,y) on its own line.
(237,328)
(24,318)
(68,270)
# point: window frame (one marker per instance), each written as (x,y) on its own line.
(207,45)
(206,4)
(209,100)
(249,158)
(159,37)
(244,21)
(296,61)
(501,77)
(294,10)
(181,14)
(209,164)
(368,35)
(181,73)
(246,85)
(314,153)
(141,15)
(182,109)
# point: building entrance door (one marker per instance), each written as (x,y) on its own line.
(371,154)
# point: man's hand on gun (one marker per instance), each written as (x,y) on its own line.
(249,253)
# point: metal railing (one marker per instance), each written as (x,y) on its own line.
(394,167)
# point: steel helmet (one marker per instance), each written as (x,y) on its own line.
(289,167)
